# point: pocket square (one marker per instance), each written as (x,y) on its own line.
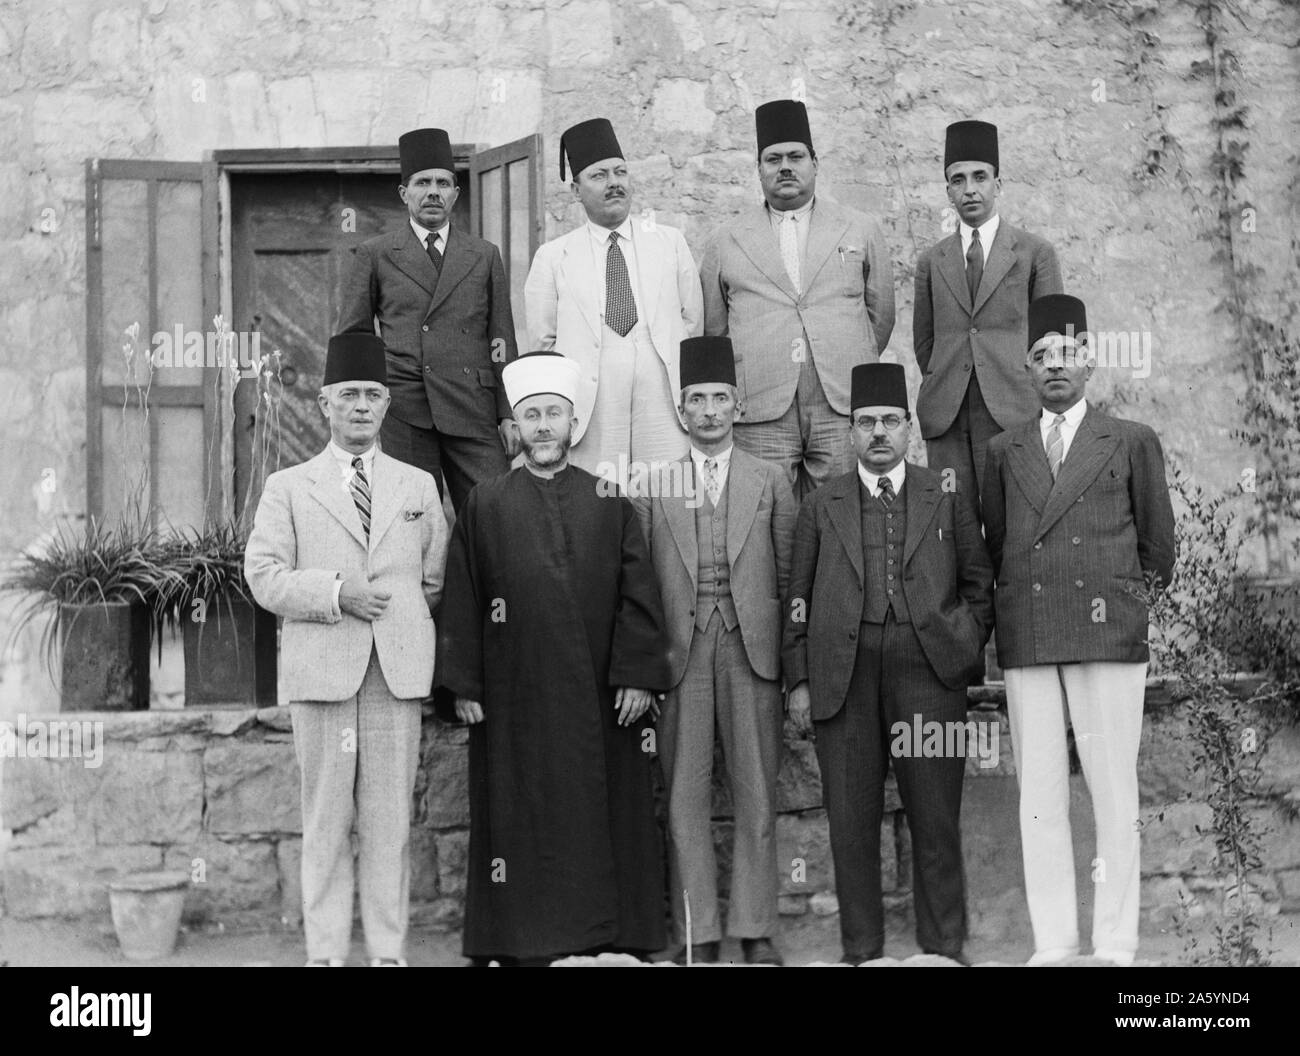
(412,515)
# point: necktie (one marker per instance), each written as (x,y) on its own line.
(1055,445)
(886,492)
(974,264)
(712,484)
(361,493)
(431,244)
(620,308)
(790,249)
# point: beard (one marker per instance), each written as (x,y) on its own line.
(547,454)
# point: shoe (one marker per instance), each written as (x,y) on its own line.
(1119,958)
(761,951)
(701,953)
(1055,955)
(324,962)
(856,959)
(387,962)
(959,957)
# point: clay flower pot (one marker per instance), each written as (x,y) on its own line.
(147,912)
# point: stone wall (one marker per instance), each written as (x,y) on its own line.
(215,793)
(1076,95)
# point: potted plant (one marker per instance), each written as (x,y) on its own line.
(229,640)
(97,588)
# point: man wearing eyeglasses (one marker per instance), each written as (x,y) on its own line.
(890,604)
(1077,515)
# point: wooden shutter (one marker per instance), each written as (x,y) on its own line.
(506,209)
(151,244)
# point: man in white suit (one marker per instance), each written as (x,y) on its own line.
(805,289)
(349,548)
(618,296)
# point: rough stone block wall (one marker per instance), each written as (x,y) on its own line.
(215,794)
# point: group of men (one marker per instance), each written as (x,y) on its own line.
(712,527)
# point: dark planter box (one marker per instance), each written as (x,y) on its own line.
(230,658)
(105,657)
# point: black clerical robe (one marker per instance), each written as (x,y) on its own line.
(550,604)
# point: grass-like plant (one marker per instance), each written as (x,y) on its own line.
(98,564)
(198,569)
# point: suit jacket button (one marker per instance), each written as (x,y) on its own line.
(1038,587)
(1079,583)
(691,613)
(425,328)
(1038,546)
(966,367)
(465,369)
(974,329)
(852,635)
(1075,540)
(428,370)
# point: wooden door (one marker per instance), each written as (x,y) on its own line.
(292,241)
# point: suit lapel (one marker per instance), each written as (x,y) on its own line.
(681,523)
(1027,462)
(1002,254)
(387,491)
(579,266)
(758,242)
(649,269)
(1093,444)
(744,489)
(825,233)
(327,489)
(845,512)
(457,261)
(952,267)
(922,501)
(409,257)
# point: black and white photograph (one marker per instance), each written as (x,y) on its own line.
(651,483)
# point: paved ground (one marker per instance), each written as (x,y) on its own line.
(24,943)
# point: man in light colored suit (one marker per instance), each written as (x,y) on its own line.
(805,288)
(1078,516)
(349,549)
(617,295)
(442,303)
(719,524)
(968,324)
(890,605)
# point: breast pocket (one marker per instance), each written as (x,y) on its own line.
(851,260)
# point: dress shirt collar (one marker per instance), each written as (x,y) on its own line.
(601,234)
(871,481)
(344,460)
(423,233)
(1072,417)
(802,212)
(988,232)
(723,458)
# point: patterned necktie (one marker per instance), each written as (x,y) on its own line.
(886,492)
(712,484)
(974,264)
(1055,445)
(790,249)
(620,307)
(431,244)
(361,493)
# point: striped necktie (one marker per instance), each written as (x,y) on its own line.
(886,492)
(431,246)
(360,488)
(1055,445)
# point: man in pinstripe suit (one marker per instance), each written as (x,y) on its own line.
(1077,516)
